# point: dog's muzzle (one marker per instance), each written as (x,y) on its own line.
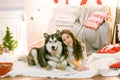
(54,49)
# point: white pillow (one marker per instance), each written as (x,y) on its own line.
(65,19)
(65,15)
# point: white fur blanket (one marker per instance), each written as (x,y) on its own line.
(98,64)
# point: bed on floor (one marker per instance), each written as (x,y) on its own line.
(99,64)
(90,25)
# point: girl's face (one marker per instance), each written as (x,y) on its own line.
(67,40)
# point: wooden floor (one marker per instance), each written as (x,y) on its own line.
(38,78)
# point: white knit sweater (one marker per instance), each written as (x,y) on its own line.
(71,57)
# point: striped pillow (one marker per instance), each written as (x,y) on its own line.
(115,65)
(95,20)
(109,49)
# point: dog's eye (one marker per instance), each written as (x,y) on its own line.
(55,40)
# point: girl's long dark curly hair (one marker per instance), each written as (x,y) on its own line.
(77,48)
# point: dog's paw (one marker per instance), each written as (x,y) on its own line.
(49,67)
(61,68)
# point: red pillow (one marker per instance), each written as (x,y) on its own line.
(115,65)
(95,20)
(112,48)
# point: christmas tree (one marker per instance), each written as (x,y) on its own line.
(8,41)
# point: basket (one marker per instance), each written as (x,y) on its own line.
(5,67)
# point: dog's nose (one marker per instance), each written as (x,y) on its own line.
(53,47)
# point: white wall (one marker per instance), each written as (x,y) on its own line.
(11,4)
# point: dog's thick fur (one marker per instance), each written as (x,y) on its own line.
(52,55)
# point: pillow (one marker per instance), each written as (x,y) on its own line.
(110,49)
(65,19)
(95,20)
(115,65)
(65,15)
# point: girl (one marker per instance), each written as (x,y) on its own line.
(75,50)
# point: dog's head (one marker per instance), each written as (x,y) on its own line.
(53,43)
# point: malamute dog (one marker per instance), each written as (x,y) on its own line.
(52,55)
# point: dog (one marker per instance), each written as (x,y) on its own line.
(51,55)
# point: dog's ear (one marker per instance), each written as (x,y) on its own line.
(58,33)
(46,35)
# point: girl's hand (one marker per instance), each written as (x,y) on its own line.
(78,65)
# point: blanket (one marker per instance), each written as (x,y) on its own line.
(98,64)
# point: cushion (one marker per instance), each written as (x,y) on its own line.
(65,15)
(65,19)
(110,49)
(115,65)
(95,20)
